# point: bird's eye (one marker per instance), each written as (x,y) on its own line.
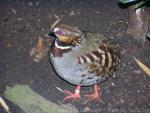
(59,32)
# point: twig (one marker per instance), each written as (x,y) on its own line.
(4,105)
(60,90)
(56,22)
(143,67)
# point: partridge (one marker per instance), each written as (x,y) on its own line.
(83,59)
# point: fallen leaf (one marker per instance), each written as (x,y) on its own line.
(143,67)
(31,102)
(40,51)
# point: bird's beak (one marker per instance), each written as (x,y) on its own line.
(52,34)
(51,37)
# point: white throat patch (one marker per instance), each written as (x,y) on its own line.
(61,47)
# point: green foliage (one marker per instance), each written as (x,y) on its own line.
(127,1)
(31,102)
(130,1)
(137,3)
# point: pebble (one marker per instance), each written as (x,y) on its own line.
(121,101)
(56,16)
(137,71)
(30,3)
(37,3)
(14,11)
(72,13)
(92,23)
(97,12)
(113,84)
(86,109)
(19,19)
(78,12)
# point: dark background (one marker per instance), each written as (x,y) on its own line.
(23,21)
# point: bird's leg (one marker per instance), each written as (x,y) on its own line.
(95,96)
(72,96)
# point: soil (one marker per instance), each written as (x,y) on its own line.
(22,22)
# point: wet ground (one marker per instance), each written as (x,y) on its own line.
(22,22)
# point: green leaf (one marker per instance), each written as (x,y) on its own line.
(31,102)
(127,1)
(138,5)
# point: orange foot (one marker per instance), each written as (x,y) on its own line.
(73,96)
(94,96)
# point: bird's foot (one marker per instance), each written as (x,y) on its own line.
(72,96)
(94,96)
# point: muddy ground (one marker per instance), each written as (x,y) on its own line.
(23,21)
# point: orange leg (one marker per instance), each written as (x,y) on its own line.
(95,95)
(72,96)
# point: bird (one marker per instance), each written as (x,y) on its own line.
(83,59)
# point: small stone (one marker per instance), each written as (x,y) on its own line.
(43,29)
(92,23)
(78,12)
(107,91)
(48,90)
(86,109)
(19,19)
(8,35)
(111,37)
(97,12)
(137,71)
(39,20)
(138,91)
(121,101)
(72,13)
(126,80)
(14,11)
(114,75)
(123,51)
(30,3)
(31,82)
(56,16)
(113,84)
(131,104)
(124,65)
(37,3)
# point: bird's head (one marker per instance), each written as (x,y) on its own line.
(67,37)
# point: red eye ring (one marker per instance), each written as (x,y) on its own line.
(60,32)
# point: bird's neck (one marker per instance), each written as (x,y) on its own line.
(58,50)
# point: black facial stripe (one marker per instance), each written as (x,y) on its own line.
(62,43)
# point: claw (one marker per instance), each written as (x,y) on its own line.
(94,96)
(73,96)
